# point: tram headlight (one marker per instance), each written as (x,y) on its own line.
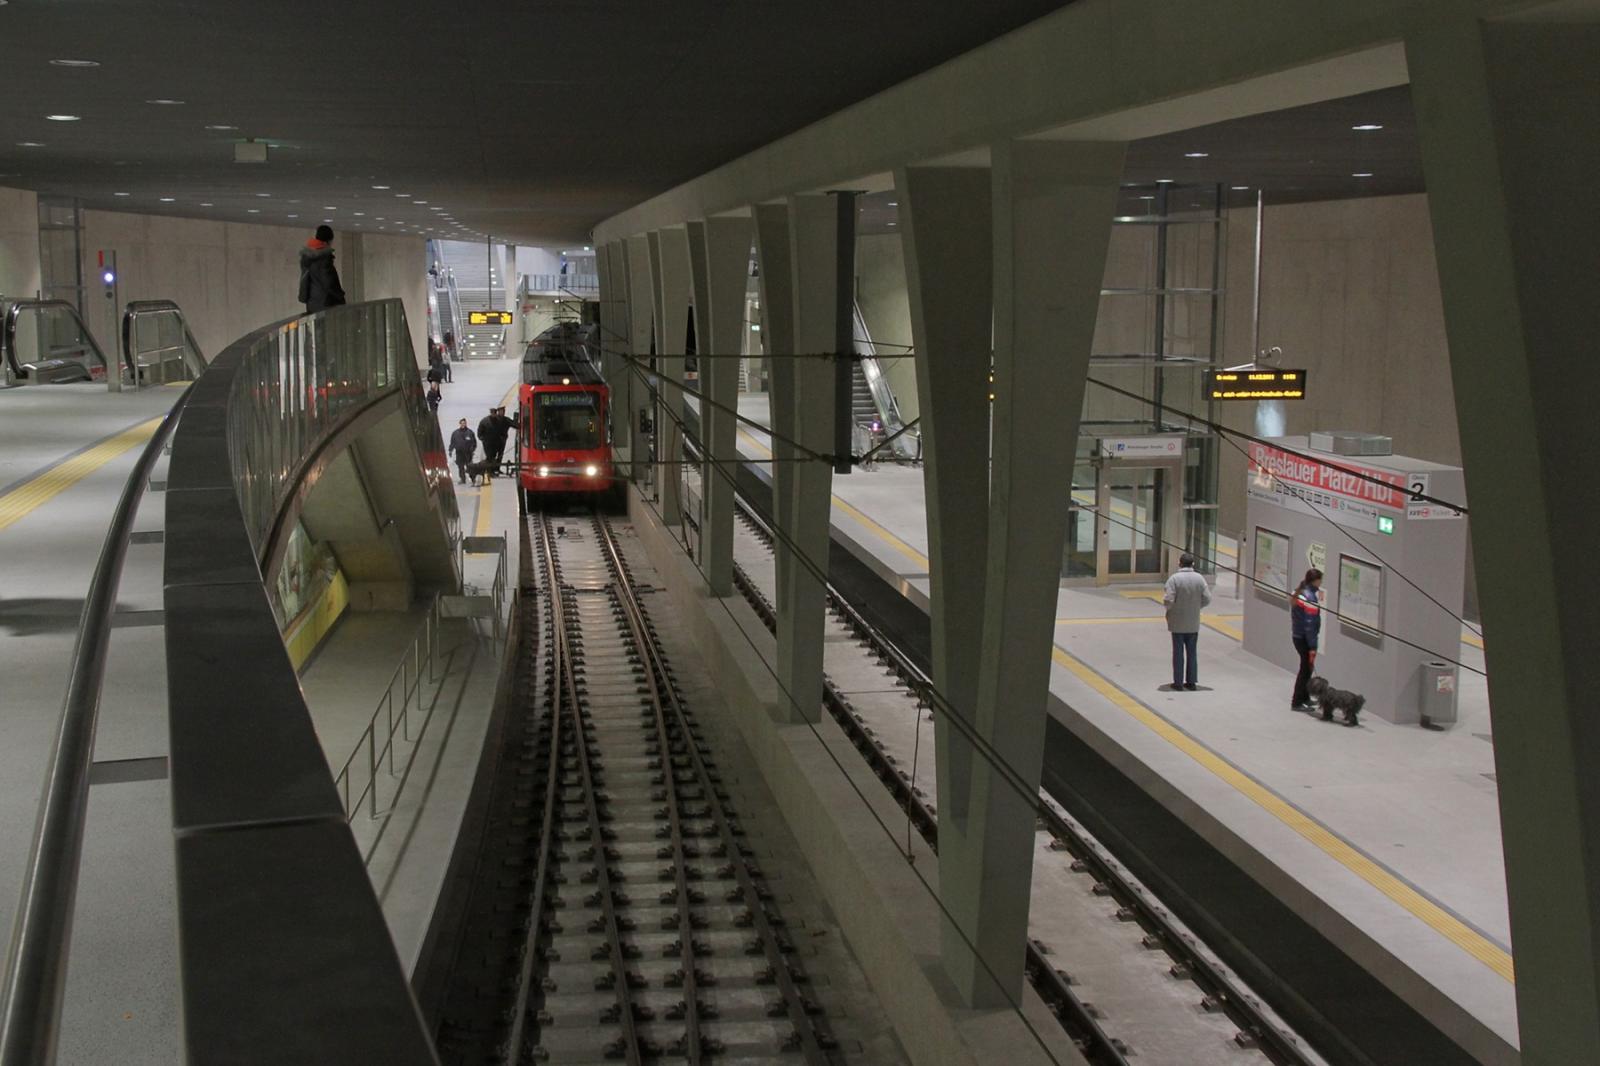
(591,470)
(544,471)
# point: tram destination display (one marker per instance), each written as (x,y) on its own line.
(1259,384)
(488,318)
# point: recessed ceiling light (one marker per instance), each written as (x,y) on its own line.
(380,186)
(402,196)
(119,194)
(419,201)
(221,127)
(1196,155)
(168,199)
(62,118)
(163,101)
(294,216)
(263,195)
(1368,127)
(327,208)
(1362,174)
(207,203)
(74,63)
(360,214)
(30,144)
(1163,181)
(1147,197)
(1239,188)
(252,210)
(435,209)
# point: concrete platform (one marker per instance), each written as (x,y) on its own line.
(1387,833)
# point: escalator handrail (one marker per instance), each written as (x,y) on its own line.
(138,308)
(15,311)
(36,965)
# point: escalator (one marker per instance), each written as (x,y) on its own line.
(874,410)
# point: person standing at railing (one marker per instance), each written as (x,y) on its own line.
(319,278)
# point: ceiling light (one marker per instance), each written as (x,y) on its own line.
(1239,188)
(74,63)
(220,127)
(894,203)
(294,216)
(263,195)
(419,201)
(119,194)
(163,101)
(434,208)
(380,186)
(1362,174)
(62,118)
(1196,155)
(168,199)
(1147,197)
(252,210)
(207,204)
(360,214)
(1163,181)
(327,208)
(1368,127)
(30,144)
(402,196)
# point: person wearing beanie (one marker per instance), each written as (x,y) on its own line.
(319,280)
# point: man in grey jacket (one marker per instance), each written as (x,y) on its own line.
(1187,593)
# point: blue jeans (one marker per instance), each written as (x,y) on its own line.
(1184,667)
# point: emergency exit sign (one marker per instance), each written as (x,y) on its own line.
(1386,524)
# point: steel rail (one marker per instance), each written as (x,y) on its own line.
(1220,991)
(795,1005)
(565,685)
(36,966)
(525,976)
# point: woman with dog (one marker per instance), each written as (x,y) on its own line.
(1305,625)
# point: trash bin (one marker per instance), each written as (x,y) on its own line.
(1438,694)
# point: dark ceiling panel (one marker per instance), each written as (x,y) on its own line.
(538,119)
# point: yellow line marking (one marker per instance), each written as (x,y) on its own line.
(1138,618)
(1330,843)
(41,489)
(485,507)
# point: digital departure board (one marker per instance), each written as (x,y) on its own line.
(1259,384)
(488,318)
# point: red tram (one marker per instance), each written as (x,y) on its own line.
(563,404)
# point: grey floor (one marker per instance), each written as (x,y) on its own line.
(1395,828)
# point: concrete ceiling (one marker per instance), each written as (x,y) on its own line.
(528,121)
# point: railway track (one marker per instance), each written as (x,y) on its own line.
(1259,1035)
(621,916)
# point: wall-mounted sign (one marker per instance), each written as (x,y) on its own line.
(488,318)
(1153,446)
(1258,384)
(1350,493)
(1360,593)
(1271,570)
(1317,556)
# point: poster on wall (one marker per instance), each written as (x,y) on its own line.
(1271,572)
(1360,594)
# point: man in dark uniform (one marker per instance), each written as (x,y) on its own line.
(463,445)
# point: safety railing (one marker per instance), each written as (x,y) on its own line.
(157,346)
(580,284)
(36,965)
(60,348)
(418,667)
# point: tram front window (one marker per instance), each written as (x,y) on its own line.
(568,421)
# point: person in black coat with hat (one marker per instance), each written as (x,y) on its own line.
(319,279)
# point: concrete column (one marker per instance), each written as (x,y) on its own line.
(669,264)
(617,341)
(947,232)
(641,319)
(1053,203)
(1509,123)
(723,248)
(777,312)
(822,258)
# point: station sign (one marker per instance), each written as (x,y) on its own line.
(1258,384)
(1150,446)
(488,318)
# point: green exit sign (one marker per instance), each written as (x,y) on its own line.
(1385,524)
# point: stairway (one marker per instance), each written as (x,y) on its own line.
(480,284)
(863,408)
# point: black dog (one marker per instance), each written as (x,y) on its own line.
(1332,699)
(479,471)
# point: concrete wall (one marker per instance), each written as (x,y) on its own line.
(1350,292)
(881,292)
(19,243)
(231,278)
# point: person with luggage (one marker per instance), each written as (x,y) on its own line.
(463,446)
(1305,626)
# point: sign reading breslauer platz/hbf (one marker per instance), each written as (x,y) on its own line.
(1255,384)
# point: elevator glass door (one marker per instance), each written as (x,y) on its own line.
(1133,520)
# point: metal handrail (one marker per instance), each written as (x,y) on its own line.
(409,673)
(36,966)
(137,309)
(10,338)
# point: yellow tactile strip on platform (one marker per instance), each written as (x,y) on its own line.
(43,487)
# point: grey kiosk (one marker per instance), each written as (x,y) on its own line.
(1305,508)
